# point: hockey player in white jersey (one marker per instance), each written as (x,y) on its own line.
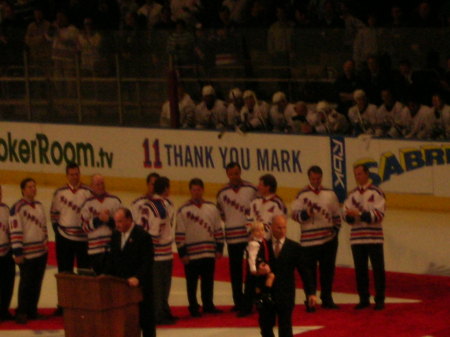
(28,227)
(7,266)
(211,112)
(363,115)
(441,111)
(392,113)
(254,115)
(157,219)
(186,107)
(97,217)
(330,121)
(364,211)
(136,205)
(267,204)
(317,211)
(234,201)
(280,113)
(235,104)
(199,238)
(422,119)
(70,239)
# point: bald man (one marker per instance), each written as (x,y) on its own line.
(131,258)
(97,221)
(284,260)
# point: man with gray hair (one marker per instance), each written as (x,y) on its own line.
(97,221)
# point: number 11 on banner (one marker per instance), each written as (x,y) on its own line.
(147,154)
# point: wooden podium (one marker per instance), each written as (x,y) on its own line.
(98,306)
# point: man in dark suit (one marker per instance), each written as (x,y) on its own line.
(284,259)
(131,258)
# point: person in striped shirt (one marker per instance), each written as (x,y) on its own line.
(233,202)
(199,239)
(28,227)
(157,219)
(97,221)
(317,211)
(7,267)
(364,211)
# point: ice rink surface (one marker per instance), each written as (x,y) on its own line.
(402,227)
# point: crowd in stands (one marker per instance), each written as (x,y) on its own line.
(395,47)
(378,104)
(215,32)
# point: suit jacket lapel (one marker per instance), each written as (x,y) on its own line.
(130,240)
(283,248)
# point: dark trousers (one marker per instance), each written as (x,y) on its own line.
(66,252)
(146,313)
(235,254)
(324,256)
(268,316)
(162,280)
(249,292)
(31,276)
(7,277)
(203,269)
(362,253)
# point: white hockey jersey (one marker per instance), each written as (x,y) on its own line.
(215,118)
(186,107)
(28,227)
(367,199)
(234,205)
(5,239)
(98,232)
(324,223)
(136,208)
(157,219)
(258,117)
(421,125)
(366,119)
(263,209)
(66,211)
(199,232)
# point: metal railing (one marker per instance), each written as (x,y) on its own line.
(133,89)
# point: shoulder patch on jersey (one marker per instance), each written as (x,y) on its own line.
(157,207)
(113,197)
(248,184)
(279,202)
(304,190)
(186,204)
(61,189)
(17,206)
(376,189)
(143,197)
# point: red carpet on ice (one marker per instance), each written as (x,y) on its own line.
(430,317)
